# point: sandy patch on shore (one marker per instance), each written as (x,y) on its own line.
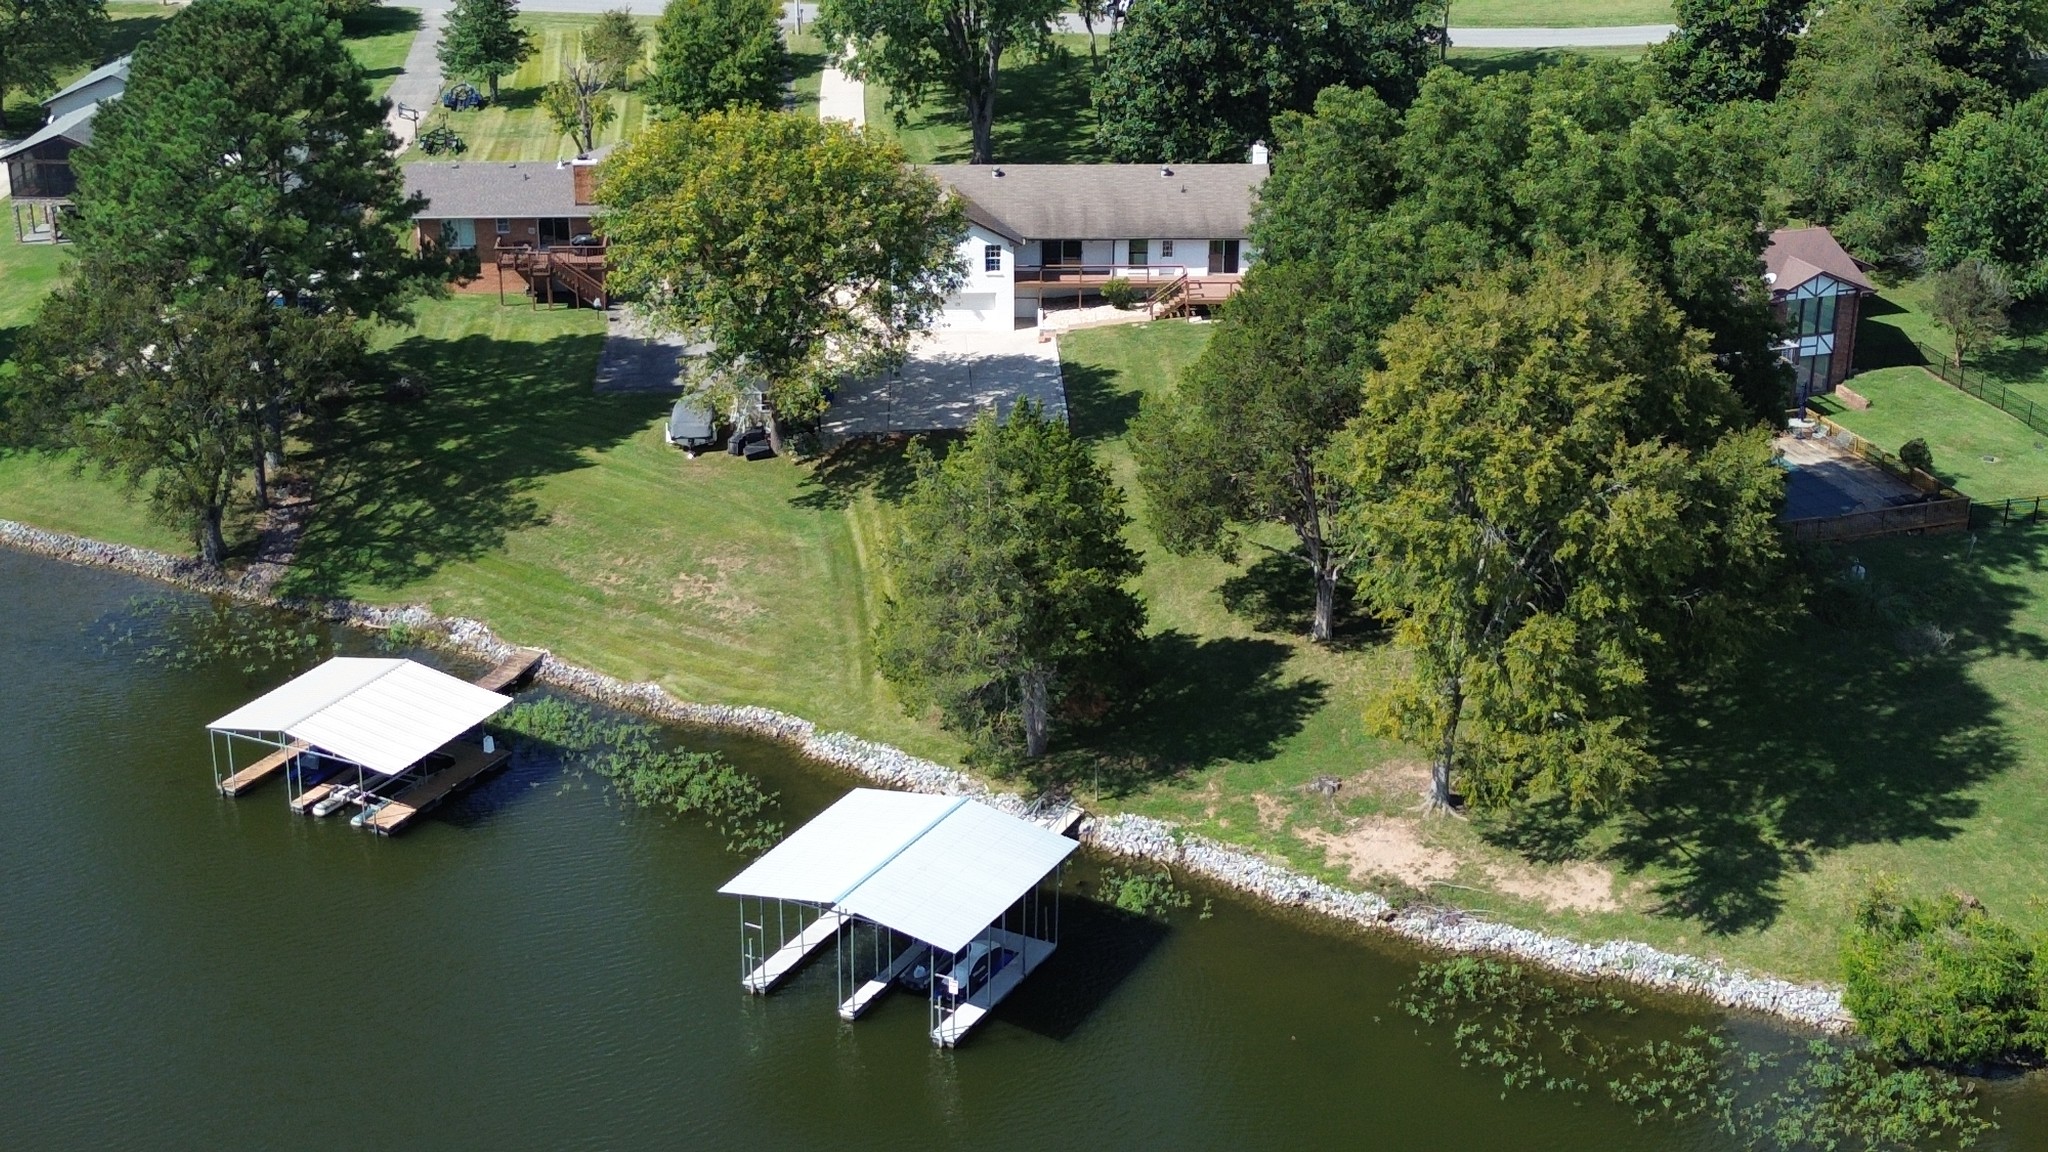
(1580,887)
(1379,846)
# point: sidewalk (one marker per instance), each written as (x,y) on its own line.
(418,87)
(841,97)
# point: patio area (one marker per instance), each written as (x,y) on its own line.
(950,378)
(1824,479)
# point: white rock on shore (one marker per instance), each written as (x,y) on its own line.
(1122,834)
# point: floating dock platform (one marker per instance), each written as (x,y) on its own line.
(511,670)
(972,1010)
(261,770)
(864,997)
(790,956)
(471,761)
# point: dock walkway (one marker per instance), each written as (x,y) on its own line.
(471,761)
(1031,952)
(786,958)
(865,996)
(511,670)
(249,777)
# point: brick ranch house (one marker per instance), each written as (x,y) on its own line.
(529,224)
(1817,290)
(1046,234)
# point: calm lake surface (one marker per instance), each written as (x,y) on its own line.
(534,967)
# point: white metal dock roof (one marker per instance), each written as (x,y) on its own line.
(938,868)
(383,714)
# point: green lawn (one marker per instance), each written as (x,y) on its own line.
(133,20)
(806,71)
(380,39)
(1898,328)
(515,127)
(1985,453)
(1557,13)
(1043,113)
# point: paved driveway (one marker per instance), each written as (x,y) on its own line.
(950,378)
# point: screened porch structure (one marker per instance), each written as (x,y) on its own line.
(941,893)
(383,735)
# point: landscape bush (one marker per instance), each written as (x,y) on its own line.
(1915,453)
(1119,293)
(1943,981)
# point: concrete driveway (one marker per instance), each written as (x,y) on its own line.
(950,378)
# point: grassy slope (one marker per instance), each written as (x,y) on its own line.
(1840,755)
(1557,13)
(380,39)
(516,128)
(514,494)
(1043,113)
(1985,453)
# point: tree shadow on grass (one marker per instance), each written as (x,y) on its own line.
(403,489)
(1880,344)
(1865,731)
(379,21)
(872,465)
(1097,408)
(1203,702)
(1277,594)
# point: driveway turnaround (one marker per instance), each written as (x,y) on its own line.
(950,378)
(637,360)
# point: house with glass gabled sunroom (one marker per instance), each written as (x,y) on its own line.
(1817,290)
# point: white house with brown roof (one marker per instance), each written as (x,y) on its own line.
(1041,234)
(1817,289)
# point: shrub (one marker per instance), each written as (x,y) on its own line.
(1119,293)
(1942,980)
(1915,453)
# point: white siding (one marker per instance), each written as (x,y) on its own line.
(985,300)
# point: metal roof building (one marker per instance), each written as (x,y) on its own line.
(904,883)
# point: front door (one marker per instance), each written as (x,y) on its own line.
(1223,256)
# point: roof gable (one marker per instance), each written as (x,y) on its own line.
(1796,255)
(112,70)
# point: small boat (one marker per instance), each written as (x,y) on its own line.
(333,801)
(363,815)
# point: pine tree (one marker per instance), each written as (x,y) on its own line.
(483,38)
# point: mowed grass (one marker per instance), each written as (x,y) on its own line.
(37,488)
(131,21)
(515,127)
(806,71)
(1983,452)
(514,494)
(1898,328)
(1044,113)
(380,38)
(1557,13)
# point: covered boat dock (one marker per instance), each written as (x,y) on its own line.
(944,894)
(389,737)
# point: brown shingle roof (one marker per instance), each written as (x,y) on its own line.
(1796,255)
(1107,201)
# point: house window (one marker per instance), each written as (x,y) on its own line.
(504,226)
(1165,249)
(554,230)
(991,257)
(1056,252)
(458,235)
(1138,252)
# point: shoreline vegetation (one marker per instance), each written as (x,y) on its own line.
(1121,834)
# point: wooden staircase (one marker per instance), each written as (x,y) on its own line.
(1171,300)
(579,275)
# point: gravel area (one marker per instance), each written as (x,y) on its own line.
(1122,834)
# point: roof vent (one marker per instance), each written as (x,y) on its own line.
(1165,171)
(997,173)
(1260,154)
(1770,277)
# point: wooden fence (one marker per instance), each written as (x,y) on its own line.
(1943,510)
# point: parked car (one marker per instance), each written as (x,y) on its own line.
(691,426)
(973,967)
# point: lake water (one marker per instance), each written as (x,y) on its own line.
(534,967)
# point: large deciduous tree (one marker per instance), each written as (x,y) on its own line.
(716,54)
(40,39)
(579,103)
(1191,81)
(1861,100)
(1728,50)
(1985,191)
(483,38)
(1243,438)
(800,251)
(951,47)
(1561,504)
(616,45)
(1970,300)
(1009,573)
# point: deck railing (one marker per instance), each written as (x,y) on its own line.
(1096,273)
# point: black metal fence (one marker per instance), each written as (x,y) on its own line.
(2004,399)
(2018,510)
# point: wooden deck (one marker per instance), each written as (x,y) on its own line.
(792,955)
(471,761)
(511,670)
(255,773)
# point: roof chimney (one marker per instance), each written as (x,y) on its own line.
(1259,153)
(583,181)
